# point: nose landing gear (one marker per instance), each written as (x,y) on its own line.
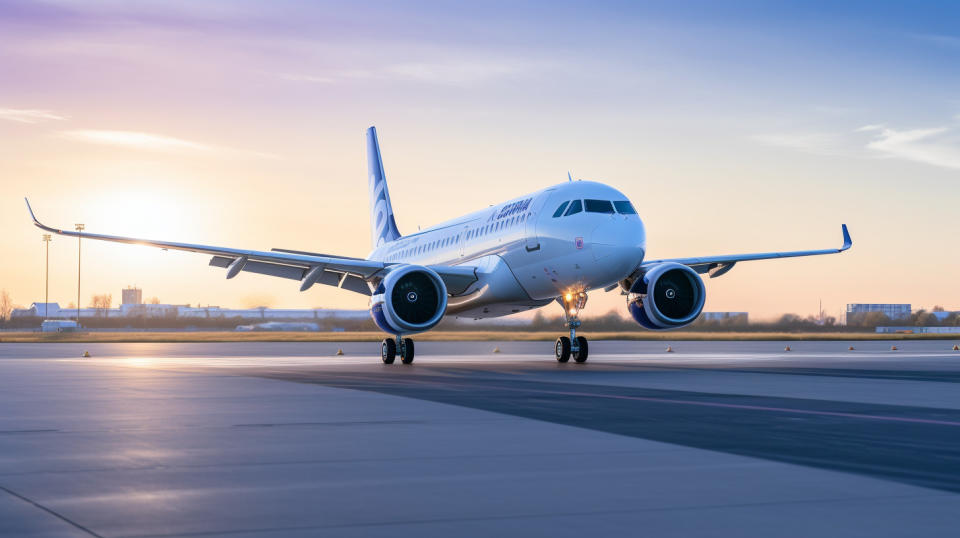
(574,346)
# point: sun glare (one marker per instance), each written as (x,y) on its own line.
(140,213)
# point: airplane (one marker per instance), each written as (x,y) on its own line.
(554,245)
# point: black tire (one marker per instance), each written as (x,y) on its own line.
(388,350)
(562,349)
(406,352)
(580,355)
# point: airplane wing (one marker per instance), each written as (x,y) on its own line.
(352,274)
(719,265)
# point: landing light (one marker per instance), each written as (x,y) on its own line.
(569,296)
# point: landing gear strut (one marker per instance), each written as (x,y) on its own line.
(575,346)
(390,346)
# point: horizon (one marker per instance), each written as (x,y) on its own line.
(242,125)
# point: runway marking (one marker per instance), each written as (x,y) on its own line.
(888,418)
(741,406)
(53,513)
(336,424)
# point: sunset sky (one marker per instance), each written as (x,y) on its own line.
(752,127)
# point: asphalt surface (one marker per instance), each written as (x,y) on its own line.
(266,439)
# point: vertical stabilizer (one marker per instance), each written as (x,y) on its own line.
(383,228)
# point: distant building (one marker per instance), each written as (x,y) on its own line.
(51,310)
(919,330)
(943,315)
(132,296)
(58,325)
(279,326)
(133,307)
(55,311)
(892,311)
(741,317)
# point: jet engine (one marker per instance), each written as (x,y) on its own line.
(666,296)
(410,299)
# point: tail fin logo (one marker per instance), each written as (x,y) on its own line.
(383,227)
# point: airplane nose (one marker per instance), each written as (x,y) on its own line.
(617,236)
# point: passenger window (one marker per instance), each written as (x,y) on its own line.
(560,209)
(575,207)
(625,208)
(598,206)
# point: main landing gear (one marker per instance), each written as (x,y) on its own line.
(390,346)
(574,346)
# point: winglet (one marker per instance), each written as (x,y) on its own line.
(847,242)
(30,209)
(36,222)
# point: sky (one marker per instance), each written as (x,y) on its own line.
(733,127)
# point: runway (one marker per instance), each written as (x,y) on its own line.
(266,439)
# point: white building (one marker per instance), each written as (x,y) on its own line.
(891,310)
(721,316)
(135,310)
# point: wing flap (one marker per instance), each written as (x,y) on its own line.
(262,268)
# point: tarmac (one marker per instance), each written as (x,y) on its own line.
(289,439)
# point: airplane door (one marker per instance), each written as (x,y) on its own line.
(463,238)
(536,206)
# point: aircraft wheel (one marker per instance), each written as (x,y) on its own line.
(406,351)
(562,349)
(388,350)
(580,355)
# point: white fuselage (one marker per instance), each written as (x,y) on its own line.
(525,256)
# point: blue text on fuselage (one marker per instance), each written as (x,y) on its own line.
(511,209)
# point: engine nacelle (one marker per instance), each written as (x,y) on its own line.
(667,296)
(410,299)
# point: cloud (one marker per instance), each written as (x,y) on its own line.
(449,73)
(307,78)
(936,146)
(455,73)
(940,39)
(133,139)
(819,143)
(151,142)
(27,115)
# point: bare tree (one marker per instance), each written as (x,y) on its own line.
(6,305)
(102,303)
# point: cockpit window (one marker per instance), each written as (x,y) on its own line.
(625,208)
(575,207)
(598,206)
(560,209)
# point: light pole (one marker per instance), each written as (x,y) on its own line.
(46,293)
(79,228)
